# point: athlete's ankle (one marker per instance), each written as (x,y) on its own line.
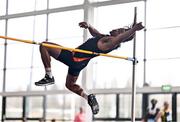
(48,72)
(85,96)
(49,75)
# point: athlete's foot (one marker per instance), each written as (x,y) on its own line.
(45,81)
(93,103)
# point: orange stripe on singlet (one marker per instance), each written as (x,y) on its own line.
(77,59)
(80,59)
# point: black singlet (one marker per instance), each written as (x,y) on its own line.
(67,57)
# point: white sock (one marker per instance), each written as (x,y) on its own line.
(48,72)
(84,95)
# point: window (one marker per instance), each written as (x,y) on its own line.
(20,6)
(158,76)
(117,72)
(161,99)
(98,0)
(40,24)
(21,28)
(1,79)
(107,106)
(64,31)
(178,108)
(40,4)
(1,56)
(14,109)
(21,57)
(60,25)
(17,79)
(34,107)
(2,7)
(161,55)
(160,14)
(61,106)
(2,32)
(162,42)
(0,105)
(19,54)
(58,3)
(126,103)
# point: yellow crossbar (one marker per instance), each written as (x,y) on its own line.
(66,48)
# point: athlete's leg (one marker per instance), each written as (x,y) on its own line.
(72,86)
(46,52)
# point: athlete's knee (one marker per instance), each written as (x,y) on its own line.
(70,81)
(44,48)
(69,85)
(41,47)
(74,88)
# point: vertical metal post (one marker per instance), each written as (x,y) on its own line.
(144,79)
(45,104)
(88,17)
(133,73)
(145,99)
(4,69)
(47,23)
(174,107)
(24,108)
(45,89)
(117,106)
(85,36)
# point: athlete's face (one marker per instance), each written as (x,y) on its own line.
(116,32)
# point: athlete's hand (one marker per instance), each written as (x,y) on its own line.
(84,25)
(138,26)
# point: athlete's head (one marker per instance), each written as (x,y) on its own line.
(118,31)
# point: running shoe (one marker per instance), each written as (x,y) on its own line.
(93,103)
(45,81)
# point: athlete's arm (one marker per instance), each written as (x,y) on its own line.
(129,38)
(110,42)
(133,35)
(91,29)
(127,34)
